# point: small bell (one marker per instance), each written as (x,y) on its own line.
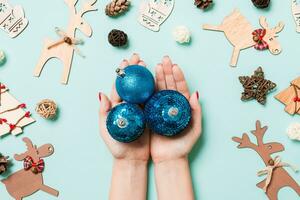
(126,122)
(255,38)
(168,112)
(34,170)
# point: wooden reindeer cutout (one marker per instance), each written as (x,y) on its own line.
(65,47)
(277,176)
(290,97)
(296,14)
(242,35)
(29,180)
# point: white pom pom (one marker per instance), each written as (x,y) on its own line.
(182,34)
(293,131)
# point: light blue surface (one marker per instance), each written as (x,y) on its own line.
(81,166)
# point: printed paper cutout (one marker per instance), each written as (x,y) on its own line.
(240,34)
(65,46)
(13,117)
(12,19)
(279,176)
(154,13)
(296,14)
(27,181)
(290,97)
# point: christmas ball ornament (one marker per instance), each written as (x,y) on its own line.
(126,122)
(135,84)
(168,112)
(2,57)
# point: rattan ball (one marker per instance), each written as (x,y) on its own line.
(47,109)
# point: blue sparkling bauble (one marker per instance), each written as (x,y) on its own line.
(135,84)
(168,112)
(126,122)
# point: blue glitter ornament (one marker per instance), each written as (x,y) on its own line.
(135,84)
(126,122)
(168,112)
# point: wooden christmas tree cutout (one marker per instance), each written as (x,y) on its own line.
(277,176)
(296,14)
(29,180)
(12,19)
(242,35)
(290,97)
(13,117)
(64,48)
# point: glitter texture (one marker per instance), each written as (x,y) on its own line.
(126,122)
(136,85)
(168,112)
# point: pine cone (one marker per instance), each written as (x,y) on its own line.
(116,7)
(3,163)
(117,38)
(261,3)
(203,4)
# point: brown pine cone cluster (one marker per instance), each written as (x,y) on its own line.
(261,3)
(117,7)
(203,4)
(3,163)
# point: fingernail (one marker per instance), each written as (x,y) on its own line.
(197,94)
(166,56)
(99,96)
(135,54)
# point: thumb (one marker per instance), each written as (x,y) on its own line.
(105,105)
(196,112)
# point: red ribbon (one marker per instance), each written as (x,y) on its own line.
(29,163)
(3,120)
(258,37)
(296,99)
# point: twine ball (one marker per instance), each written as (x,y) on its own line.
(47,109)
(117,38)
(182,34)
(261,3)
(2,57)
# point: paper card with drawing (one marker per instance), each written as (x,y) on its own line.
(12,19)
(154,13)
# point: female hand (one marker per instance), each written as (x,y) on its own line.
(170,77)
(137,150)
(129,176)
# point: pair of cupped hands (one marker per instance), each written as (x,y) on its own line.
(168,76)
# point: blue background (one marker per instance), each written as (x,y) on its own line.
(81,166)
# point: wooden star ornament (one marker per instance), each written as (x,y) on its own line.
(256,86)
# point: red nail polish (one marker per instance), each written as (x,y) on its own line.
(197,94)
(99,96)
